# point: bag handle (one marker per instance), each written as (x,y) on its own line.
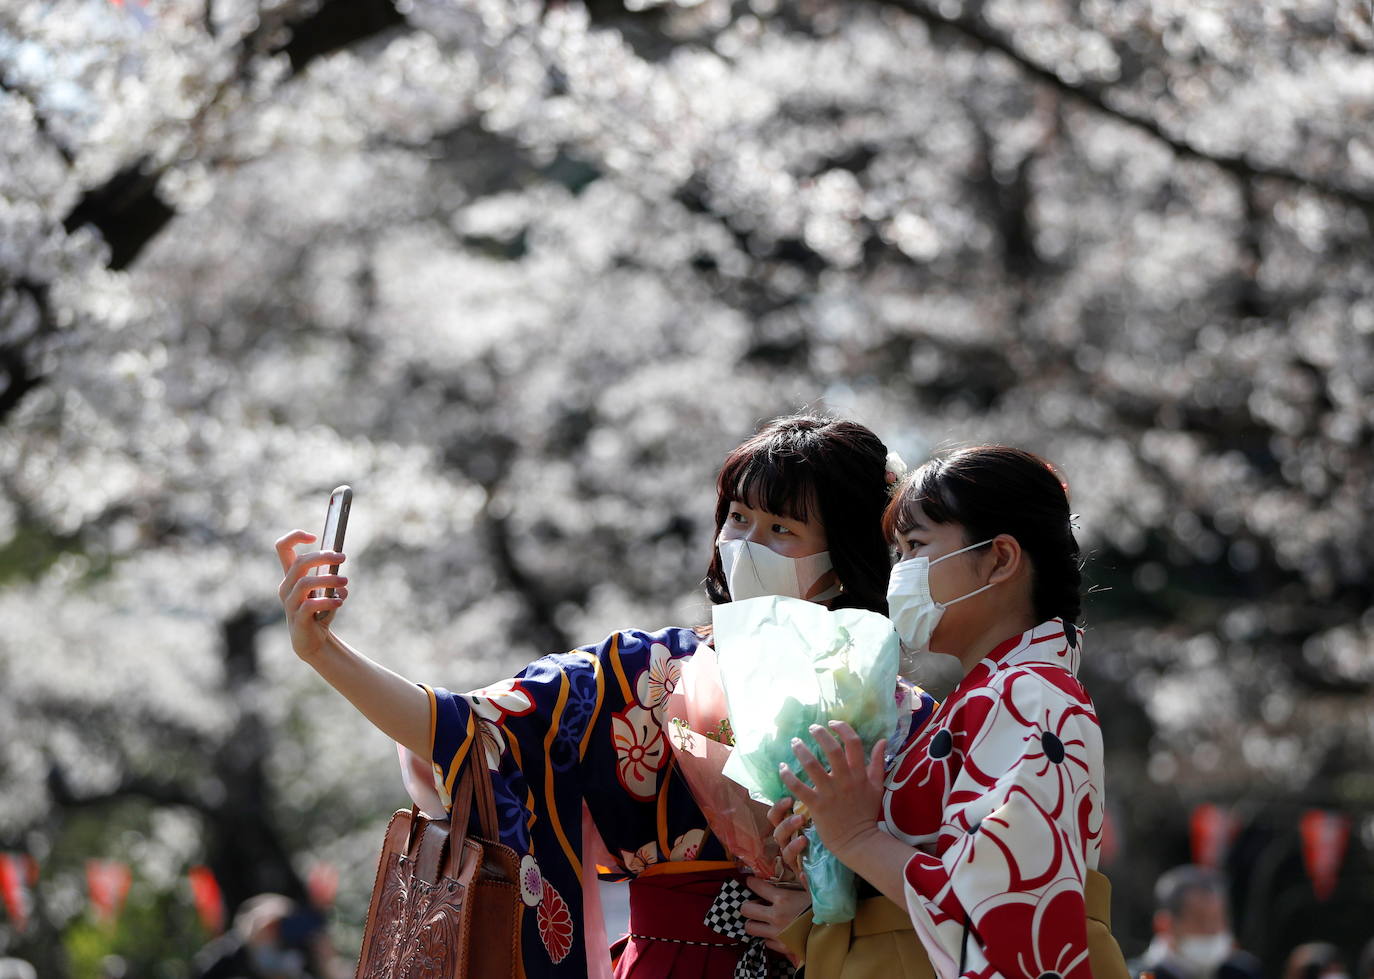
(486,801)
(474,788)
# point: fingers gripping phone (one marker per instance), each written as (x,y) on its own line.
(335,523)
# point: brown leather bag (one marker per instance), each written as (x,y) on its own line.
(446,904)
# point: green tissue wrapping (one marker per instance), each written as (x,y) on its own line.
(786,664)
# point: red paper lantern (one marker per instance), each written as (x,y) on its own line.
(208,898)
(1111,840)
(1324,839)
(1211,829)
(18,875)
(323,884)
(108,883)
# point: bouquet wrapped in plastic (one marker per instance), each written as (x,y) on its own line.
(698,730)
(786,664)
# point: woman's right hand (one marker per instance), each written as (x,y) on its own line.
(308,632)
(787,833)
(399,708)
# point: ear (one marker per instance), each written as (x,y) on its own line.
(1007,558)
(1164,924)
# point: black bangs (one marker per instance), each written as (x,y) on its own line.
(780,483)
(932,494)
(926,488)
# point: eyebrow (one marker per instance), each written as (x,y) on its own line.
(781,517)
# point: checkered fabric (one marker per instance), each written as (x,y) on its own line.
(724,917)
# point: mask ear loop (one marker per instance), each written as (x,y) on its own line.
(961,550)
(956,601)
(979,591)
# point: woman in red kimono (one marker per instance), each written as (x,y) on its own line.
(986,825)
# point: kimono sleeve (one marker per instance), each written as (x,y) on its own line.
(543,729)
(505,723)
(1020,826)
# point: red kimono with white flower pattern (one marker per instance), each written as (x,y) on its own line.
(1002,795)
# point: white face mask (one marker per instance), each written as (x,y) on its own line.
(913,611)
(1205,952)
(753,570)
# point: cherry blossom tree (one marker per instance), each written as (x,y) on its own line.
(522,272)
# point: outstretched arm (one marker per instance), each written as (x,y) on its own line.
(398,708)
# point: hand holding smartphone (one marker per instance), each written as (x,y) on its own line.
(335,524)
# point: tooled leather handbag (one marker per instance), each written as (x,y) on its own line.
(446,903)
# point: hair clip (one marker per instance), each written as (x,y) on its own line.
(894,468)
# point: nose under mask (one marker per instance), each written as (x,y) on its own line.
(753,571)
(1205,952)
(912,609)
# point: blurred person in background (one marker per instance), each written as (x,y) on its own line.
(1364,965)
(1192,927)
(272,938)
(1316,960)
(580,764)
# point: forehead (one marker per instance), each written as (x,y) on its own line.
(915,518)
(1201,903)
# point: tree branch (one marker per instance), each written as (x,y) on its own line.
(543,625)
(40,121)
(128,210)
(17,361)
(975,28)
(337,24)
(130,787)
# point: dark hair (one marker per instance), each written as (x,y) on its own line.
(1311,959)
(994,489)
(802,466)
(1175,886)
(1364,969)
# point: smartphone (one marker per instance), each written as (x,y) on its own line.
(335,523)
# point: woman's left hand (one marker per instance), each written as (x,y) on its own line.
(787,833)
(768,917)
(845,801)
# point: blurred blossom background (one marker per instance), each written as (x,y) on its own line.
(522,272)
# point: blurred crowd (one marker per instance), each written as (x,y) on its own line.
(1193,938)
(274,937)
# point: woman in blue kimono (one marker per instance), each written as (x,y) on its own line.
(583,773)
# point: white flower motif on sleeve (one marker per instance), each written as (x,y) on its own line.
(688,845)
(641,859)
(531,881)
(492,705)
(659,679)
(641,751)
(500,700)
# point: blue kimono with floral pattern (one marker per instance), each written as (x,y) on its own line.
(574,727)
(585,726)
